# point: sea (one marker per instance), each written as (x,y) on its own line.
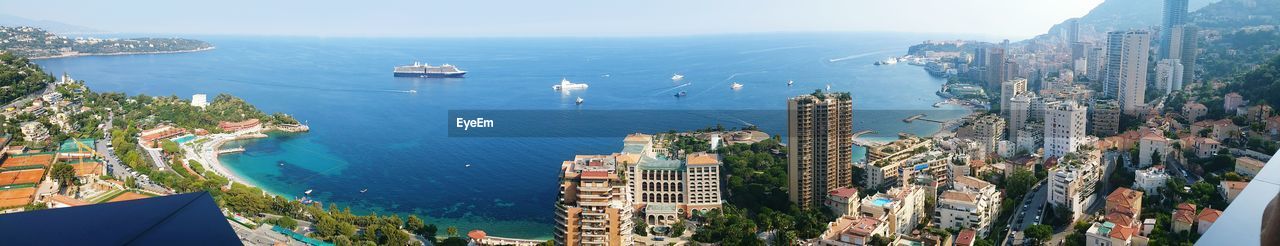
(397,139)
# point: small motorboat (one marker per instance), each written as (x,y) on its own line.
(789,82)
(682,94)
(735,86)
(308,192)
(467,165)
(677,77)
(579,101)
(364,190)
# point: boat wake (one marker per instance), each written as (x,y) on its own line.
(774,49)
(672,88)
(860,55)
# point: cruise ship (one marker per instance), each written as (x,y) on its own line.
(429,71)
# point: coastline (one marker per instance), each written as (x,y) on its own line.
(210,153)
(207,153)
(121,53)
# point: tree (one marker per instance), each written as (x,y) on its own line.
(677,229)
(640,228)
(878,240)
(452,231)
(414,224)
(1020,182)
(342,241)
(1040,232)
(64,174)
(453,241)
(285,222)
(430,231)
(1232,176)
(170,147)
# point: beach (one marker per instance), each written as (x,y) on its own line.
(206,152)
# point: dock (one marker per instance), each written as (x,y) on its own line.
(863,142)
(922,118)
(231,150)
(862,132)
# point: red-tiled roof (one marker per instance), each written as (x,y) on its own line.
(595,174)
(844,192)
(477,234)
(1210,215)
(234,126)
(1186,213)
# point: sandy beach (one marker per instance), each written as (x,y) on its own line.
(207,154)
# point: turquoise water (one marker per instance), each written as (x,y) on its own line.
(369,132)
(881,201)
(184,139)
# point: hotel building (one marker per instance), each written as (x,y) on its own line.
(666,186)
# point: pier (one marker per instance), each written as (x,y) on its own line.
(922,118)
(862,132)
(232,150)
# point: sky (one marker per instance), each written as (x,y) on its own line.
(484,18)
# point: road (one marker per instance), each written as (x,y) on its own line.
(1028,209)
(118,169)
(48,87)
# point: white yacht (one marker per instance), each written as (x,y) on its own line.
(677,77)
(735,86)
(566,85)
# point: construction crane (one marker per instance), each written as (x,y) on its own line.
(81,148)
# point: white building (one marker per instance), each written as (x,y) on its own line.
(1150,179)
(1019,113)
(33,131)
(1008,89)
(970,204)
(1152,143)
(1030,138)
(1064,128)
(1126,75)
(52,98)
(900,207)
(199,100)
(1169,75)
(843,201)
(1073,182)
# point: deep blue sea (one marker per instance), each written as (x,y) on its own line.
(370,132)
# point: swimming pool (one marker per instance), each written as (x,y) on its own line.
(881,202)
(183,139)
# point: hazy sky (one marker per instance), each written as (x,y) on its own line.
(1000,18)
